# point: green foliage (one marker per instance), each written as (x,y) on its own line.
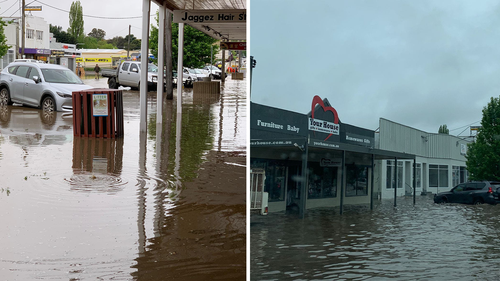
(197,45)
(94,43)
(483,156)
(3,39)
(99,34)
(443,129)
(122,42)
(76,21)
(61,35)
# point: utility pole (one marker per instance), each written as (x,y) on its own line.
(23,31)
(128,46)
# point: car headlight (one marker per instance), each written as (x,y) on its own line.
(64,95)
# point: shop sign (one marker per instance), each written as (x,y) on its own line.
(43,51)
(275,123)
(96,60)
(57,53)
(323,127)
(100,104)
(210,16)
(237,46)
(326,162)
(324,144)
(356,139)
(330,127)
(32,8)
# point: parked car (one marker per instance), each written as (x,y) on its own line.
(46,86)
(201,73)
(214,71)
(29,60)
(189,76)
(476,192)
(128,74)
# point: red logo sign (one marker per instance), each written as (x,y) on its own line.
(317,100)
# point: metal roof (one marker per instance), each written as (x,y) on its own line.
(233,31)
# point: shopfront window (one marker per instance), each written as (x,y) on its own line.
(390,174)
(322,181)
(438,175)
(356,180)
(276,178)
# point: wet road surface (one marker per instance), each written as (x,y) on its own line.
(422,242)
(166,205)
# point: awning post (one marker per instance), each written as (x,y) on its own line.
(146,5)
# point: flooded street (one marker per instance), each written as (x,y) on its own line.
(422,242)
(166,205)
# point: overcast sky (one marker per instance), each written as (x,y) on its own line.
(56,12)
(419,63)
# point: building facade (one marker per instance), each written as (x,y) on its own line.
(440,160)
(313,160)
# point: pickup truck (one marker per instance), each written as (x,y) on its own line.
(128,74)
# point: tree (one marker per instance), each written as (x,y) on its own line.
(94,43)
(483,155)
(197,45)
(97,33)
(61,36)
(443,129)
(3,39)
(76,21)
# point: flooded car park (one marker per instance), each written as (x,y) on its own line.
(168,204)
(425,241)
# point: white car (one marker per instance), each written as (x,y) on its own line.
(201,73)
(41,85)
(214,71)
(189,76)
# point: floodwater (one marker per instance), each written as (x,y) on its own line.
(423,242)
(168,204)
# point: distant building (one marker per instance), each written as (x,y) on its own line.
(103,57)
(63,53)
(440,160)
(36,44)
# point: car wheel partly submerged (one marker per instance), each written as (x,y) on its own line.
(478,201)
(441,200)
(48,104)
(5,97)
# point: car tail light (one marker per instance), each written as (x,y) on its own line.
(490,190)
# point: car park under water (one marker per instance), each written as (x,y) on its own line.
(167,204)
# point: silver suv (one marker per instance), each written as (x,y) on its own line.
(46,86)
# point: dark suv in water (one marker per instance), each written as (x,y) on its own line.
(476,192)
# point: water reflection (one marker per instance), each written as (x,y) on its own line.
(97,165)
(200,233)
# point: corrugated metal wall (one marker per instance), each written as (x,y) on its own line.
(401,138)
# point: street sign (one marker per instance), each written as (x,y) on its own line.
(237,46)
(209,16)
(33,8)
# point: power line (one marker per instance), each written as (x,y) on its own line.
(464,126)
(89,16)
(10,7)
(20,8)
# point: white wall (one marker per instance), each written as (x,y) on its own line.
(37,24)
